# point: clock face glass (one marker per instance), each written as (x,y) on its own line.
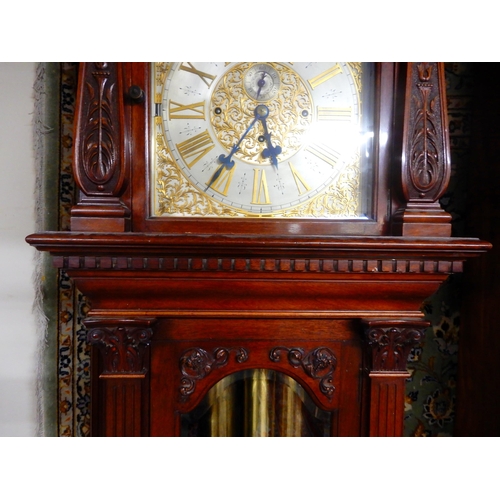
(262,139)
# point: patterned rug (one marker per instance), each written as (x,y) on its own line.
(65,383)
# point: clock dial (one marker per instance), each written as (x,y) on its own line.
(258,139)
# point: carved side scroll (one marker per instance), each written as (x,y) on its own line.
(425,171)
(99,150)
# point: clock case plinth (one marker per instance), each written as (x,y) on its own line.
(160,290)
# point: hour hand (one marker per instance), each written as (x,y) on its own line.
(271,151)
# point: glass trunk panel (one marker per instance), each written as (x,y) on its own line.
(257,403)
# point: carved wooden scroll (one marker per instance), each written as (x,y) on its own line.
(425,170)
(99,150)
(196,363)
(319,364)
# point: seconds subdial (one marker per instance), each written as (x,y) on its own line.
(261,82)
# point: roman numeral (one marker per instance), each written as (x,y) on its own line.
(207,79)
(195,111)
(326,75)
(194,148)
(222,183)
(324,153)
(260,194)
(299,181)
(338,114)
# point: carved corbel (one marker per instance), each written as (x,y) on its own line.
(122,343)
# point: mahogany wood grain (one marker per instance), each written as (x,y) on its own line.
(387,392)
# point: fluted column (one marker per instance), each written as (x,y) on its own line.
(123,374)
(389,344)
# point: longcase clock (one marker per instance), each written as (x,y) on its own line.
(256,240)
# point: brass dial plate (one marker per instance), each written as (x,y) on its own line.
(202,111)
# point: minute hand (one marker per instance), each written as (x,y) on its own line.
(271,151)
(226,161)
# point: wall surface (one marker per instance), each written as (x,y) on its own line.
(18,338)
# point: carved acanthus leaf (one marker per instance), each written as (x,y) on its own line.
(391,346)
(122,347)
